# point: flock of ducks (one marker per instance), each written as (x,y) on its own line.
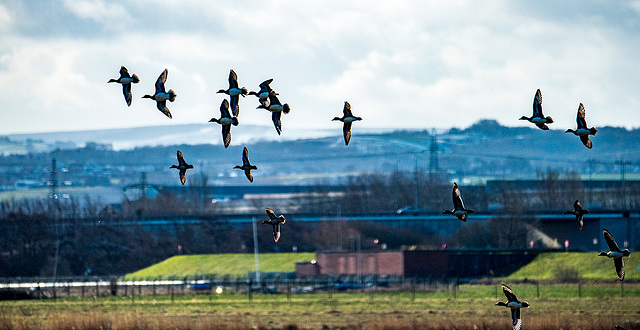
(229,111)
(268,99)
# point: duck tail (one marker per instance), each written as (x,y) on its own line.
(172,95)
(593,131)
(549,120)
(626,252)
(244,91)
(286,108)
(135,78)
(234,121)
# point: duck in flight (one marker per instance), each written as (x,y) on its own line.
(275,222)
(347,119)
(234,91)
(246,166)
(126,80)
(276,108)
(615,253)
(263,94)
(458,207)
(578,211)
(226,121)
(583,132)
(161,96)
(514,304)
(183,167)
(538,118)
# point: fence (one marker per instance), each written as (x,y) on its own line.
(40,288)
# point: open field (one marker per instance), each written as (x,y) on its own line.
(468,307)
(231,264)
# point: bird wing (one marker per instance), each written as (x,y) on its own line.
(347,109)
(585,140)
(264,87)
(126,90)
(160,82)
(233,79)
(537,105)
(346,129)
(162,106)
(124,73)
(183,175)
(508,293)
(245,156)
(181,161)
(272,216)
(247,172)
(457,198)
(275,116)
(619,268)
(276,232)
(235,107)
(515,318)
(580,221)
(273,99)
(226,135)
(610,241)
(224,109)
(581,118)
(576,205)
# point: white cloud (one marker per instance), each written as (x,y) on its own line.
(399,64)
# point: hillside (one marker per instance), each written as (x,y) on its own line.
(589,266)
(234,265)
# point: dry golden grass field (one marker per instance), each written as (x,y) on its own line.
(364,310)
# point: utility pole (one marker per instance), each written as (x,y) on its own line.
(255,249)
(55,207)
(434,164)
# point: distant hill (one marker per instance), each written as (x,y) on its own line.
(470,155)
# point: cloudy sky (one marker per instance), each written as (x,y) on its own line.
(401,64)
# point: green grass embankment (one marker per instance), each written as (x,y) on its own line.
(588,264)
(234,265)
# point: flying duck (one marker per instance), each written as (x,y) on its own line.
(276,108)
(458,207)
(263,94)
(183,167)
(347,119)
(246,166)
(583,132)
(514,304)
(275,222)
(226,121)
(578,211)
(538,118)
(234,91)
(161,96)
(126,80)
(615,253)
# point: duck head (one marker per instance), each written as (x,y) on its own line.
(602,254)
(524,118)
(221,91)
(336,118)
(147,96)
(570,131)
